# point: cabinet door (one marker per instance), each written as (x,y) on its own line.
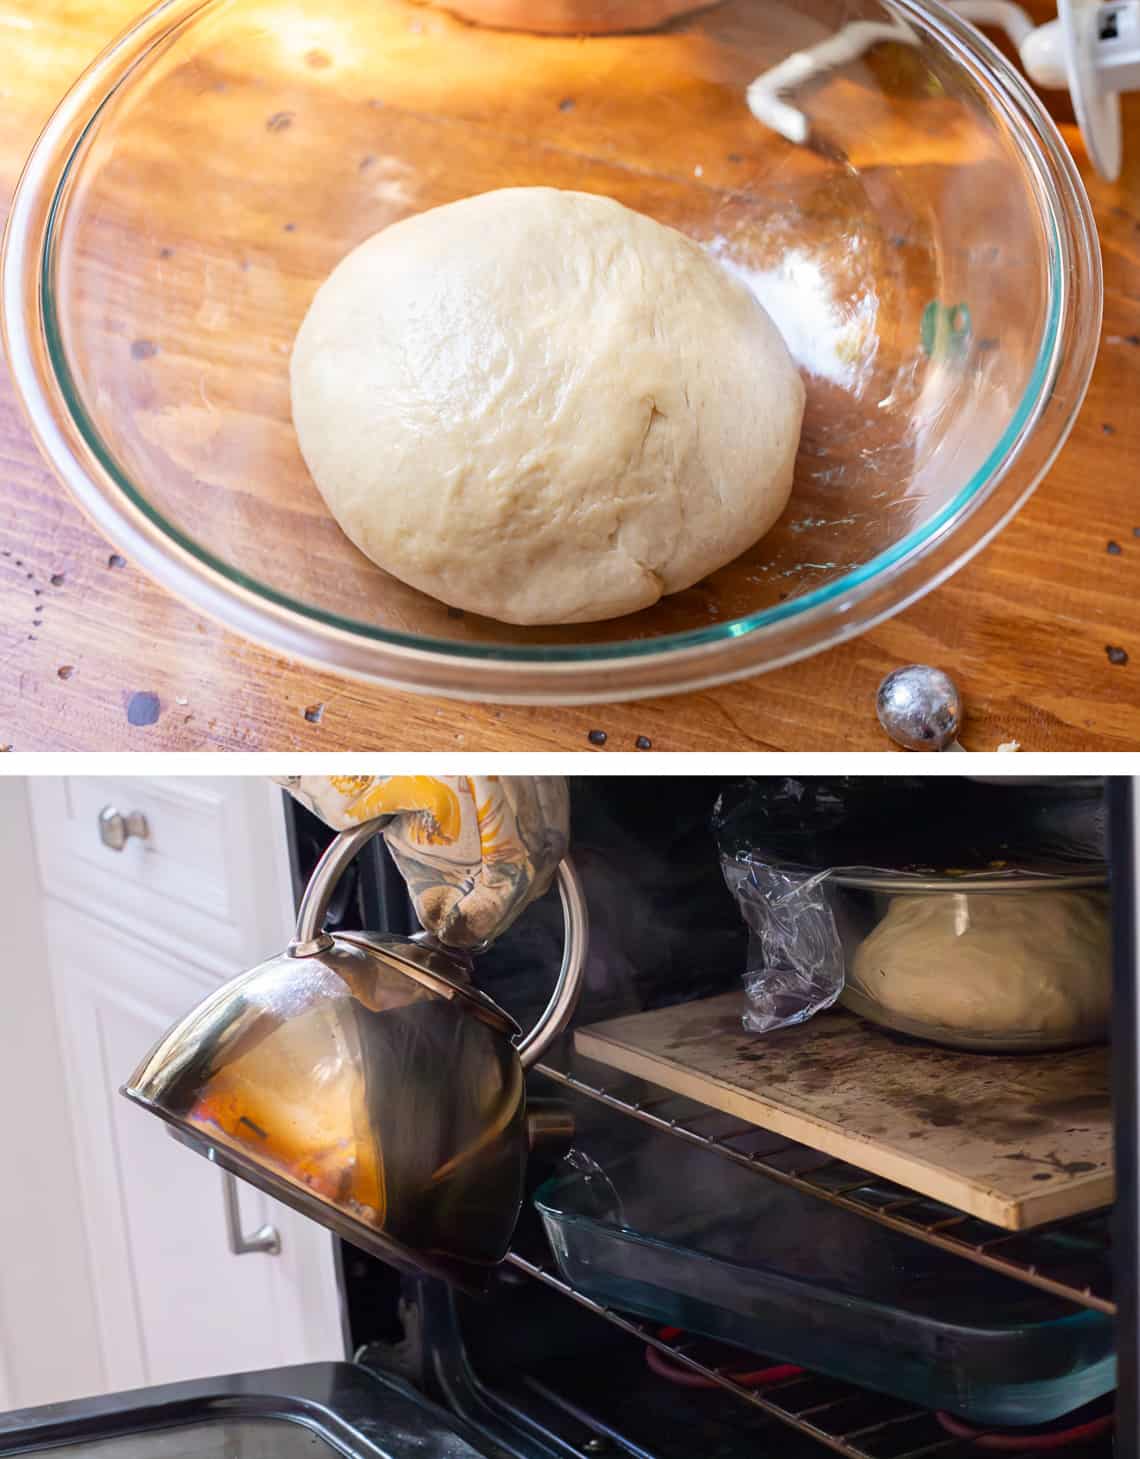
(210,881)
(172,1300)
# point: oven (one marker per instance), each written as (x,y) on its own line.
(538,1367)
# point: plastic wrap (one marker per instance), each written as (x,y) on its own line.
(782,842)
(795,957)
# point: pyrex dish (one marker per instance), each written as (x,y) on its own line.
(677,1236)
(977,906)
(929,254)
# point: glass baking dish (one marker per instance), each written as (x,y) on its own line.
(669,1233)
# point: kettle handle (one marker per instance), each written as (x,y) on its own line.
(310,936)
(575,940)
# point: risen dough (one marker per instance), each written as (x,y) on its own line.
(1003,966)
(544,407)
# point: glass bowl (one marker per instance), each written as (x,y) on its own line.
(1032,953)
(928,251)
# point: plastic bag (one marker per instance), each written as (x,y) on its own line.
(795,958)
(475,850)
(772,836)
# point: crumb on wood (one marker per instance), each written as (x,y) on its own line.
(1008,747)
(65,671)
(566,104)
(643,742)
(116,561)
(1116,654)
(314,713)
(1113,549)
(597,737)
(56,580)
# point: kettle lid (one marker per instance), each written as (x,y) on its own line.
(440,969)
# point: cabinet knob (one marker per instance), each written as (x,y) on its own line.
(115,829)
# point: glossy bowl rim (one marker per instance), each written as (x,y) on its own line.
(1000,883)
(553,673)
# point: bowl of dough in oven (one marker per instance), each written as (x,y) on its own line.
(995,961)
(557,351)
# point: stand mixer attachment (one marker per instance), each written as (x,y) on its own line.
(363,1080)
(1092,50)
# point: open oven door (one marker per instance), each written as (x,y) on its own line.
(318,1411)
(1124,858)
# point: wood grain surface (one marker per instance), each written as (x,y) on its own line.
(1015,1140)
(1041,631)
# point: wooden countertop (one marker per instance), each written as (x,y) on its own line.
(1025,629)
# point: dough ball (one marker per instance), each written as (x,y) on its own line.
(1019,966)
(544,407)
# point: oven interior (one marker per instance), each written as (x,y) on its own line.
(537,1368)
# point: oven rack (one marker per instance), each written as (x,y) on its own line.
(845,1419)
(1030,1257)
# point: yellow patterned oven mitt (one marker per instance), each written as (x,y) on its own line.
(474,850)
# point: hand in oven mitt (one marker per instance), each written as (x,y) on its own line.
(475,850)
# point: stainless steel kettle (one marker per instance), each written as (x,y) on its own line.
(363,1079)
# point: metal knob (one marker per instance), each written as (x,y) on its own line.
(115,829)
(920,708)
(550,1125)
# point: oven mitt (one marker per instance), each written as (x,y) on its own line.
(475,850)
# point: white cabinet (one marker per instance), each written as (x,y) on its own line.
(133,939)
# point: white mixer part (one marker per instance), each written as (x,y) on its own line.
(1092,49)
